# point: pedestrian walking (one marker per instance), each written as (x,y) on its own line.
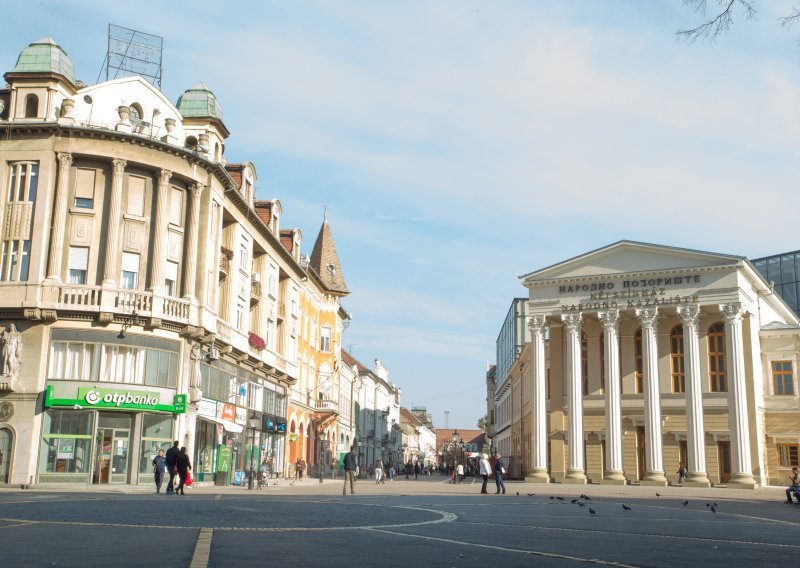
(379,471)
(459,473)
(794,486)
(334,467)
(299,468)
(409,468)
(171,459)
(485,471)
(159,469)
(350,468)
(183,466)
(416,470)
(681,473)
(391,472)
(499,472)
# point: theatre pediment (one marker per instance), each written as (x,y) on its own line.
(629,257)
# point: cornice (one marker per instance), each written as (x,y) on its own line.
(630,275)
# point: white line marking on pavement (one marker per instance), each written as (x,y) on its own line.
(202,549)
(515,550)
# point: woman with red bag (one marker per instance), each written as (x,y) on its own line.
(184,466)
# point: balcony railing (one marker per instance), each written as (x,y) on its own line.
(224,266)
(327,404)
(94,299)
(79,297)
(255,293)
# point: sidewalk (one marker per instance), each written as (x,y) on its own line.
(435,485)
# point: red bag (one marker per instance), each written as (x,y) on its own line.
(189,479)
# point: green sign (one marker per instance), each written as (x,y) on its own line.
(121,399)
(224,458)
(179,402)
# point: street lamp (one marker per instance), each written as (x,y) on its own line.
(254,423)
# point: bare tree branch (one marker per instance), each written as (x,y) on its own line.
(719,24)
(790,20)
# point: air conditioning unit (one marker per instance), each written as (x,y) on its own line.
(213,354)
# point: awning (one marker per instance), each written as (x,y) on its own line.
(229,426)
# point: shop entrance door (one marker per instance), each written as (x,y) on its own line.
(112,447)
(640,451)
(724,452)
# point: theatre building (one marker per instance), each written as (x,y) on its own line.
(645,356)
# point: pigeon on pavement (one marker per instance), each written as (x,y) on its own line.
(560,498)
(517,493)
(532,494)
(685,503)
(624,506)
(658,494)
(592,511)
(713,509)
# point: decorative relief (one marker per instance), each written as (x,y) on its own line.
(134,236)
(648,317)
(690,314)
(174,241)
(17,219)
(572,322)
(81,230)
(732,312)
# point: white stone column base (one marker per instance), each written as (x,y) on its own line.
(614,478)
(537,476)
(742,481)
(654,478)
(575,477)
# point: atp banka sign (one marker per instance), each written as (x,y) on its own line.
(113,398)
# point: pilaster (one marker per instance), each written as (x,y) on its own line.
(59,218)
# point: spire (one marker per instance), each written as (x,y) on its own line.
(325,261)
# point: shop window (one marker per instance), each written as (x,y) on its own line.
(788,455)
(639,376)
(156,435)
(130,271)
(66,442)
(31,106)
(716,358)
(676,356)
(782,378)
(78,264)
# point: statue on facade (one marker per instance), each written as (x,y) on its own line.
(12,351)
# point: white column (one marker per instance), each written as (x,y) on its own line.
(695,431)
(572,344)
(59,218)
(538,473)
(159,232)
(742,471)
(654,462)
(614,468)
(114,225)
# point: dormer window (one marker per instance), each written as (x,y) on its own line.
(31,106)
(136,112)
(191,142)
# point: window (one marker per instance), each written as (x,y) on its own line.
(782,378)
(677,359)
(243,257)
(788,455)
(585,363)
(31,106)
(66,442)
(156,435)
(84,188)
(639,376)
(171,278)
(24,182)
(136,113)
(130,271)
(240,315)
(716,358)
(325,339)
(175,207)
(78,264)
(136,192)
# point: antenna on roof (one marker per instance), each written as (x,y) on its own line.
(131,53)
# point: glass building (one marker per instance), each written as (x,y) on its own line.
(784,271)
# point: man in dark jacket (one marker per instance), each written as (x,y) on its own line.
(350,466)
(172,460)
(499,472)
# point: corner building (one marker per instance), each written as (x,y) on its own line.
(143,297)
(643,356)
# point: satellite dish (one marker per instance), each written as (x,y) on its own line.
(87,99)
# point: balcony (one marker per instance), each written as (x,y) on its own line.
(94,299)
(281,313)
(325,410)
(225,257)
(255,293)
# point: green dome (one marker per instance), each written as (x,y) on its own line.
(45,56)
(199,102)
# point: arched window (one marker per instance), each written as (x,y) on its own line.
(136,113)
(639,383)
(191,142)
(676,359)
(585,363)
(31,106)
(717,376)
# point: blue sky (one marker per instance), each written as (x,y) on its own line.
(462,144)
